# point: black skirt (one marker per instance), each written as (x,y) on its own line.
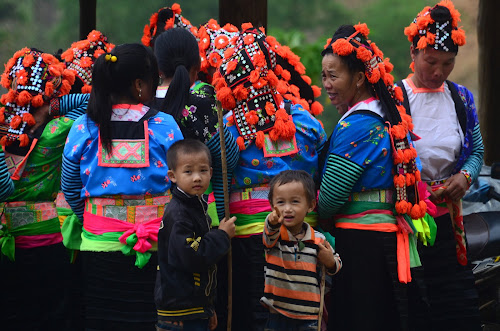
(366,293)
(35,289)
(442,294)
(117,294)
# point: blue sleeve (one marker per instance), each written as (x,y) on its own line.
(71,186)
(474,162)
(73,105)
(6,183)
(71,182)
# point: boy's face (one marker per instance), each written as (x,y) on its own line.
(291,201)
(192,174)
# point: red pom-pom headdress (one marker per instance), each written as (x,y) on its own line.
(437,27)
(32,79)
(166,18)
(212,39)
(82,54)
(248,84)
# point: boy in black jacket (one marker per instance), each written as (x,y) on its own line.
(188,249)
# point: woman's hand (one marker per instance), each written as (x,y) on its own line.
(456,186)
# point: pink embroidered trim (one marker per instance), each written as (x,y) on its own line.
(123,157)
(137,107)
(367,101)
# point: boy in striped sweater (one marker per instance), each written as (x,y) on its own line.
(294,252)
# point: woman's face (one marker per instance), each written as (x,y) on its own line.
(432,67)
(339,82)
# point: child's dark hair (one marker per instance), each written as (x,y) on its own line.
(112,80)
(177,52)
(186,146)
(289,176)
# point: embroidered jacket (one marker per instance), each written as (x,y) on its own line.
(135,166)
(187,253)
(258,166)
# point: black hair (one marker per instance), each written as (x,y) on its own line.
(439,14)
(354,65)
(111,80)
(289,176)
(186,146)
(164,15)
(177,52)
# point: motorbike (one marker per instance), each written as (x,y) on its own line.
(481,210)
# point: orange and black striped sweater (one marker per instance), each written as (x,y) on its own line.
(292,273)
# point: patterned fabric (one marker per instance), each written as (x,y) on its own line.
(255,169)
(40,180)
(82,146)
(21,213)
(363,139)
(132,209)
(199,117)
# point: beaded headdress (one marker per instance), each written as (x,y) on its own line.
(213,41)
(166,18)
(82,54)
(294,72)
(32,78)
(377,71)
(437,27)
(247,83)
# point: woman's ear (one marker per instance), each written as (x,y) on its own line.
(360,79)
(412,53)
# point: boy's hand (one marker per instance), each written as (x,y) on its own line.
(212,322)
(326,256)
(275,217)
(228,226)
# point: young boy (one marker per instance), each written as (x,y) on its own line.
(294,251)
(187,248)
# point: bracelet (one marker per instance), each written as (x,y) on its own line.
(467,176)
(54,107)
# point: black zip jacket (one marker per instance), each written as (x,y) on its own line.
(188,251)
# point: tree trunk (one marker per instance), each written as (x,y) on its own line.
(237,12)
(489,74)
(87,17)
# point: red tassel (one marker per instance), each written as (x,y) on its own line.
(241,143)
(259,140)
(23,140)
(28,119)
(15,122)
